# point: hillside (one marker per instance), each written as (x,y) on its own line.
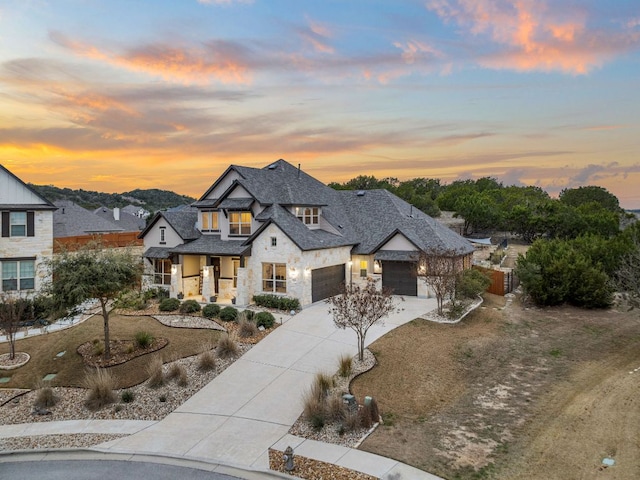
(152,199)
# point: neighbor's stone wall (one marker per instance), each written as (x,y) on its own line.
(40,246)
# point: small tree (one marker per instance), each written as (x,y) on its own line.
(439,270)
(12,314)
(93,272)
(628,274)
(359,308)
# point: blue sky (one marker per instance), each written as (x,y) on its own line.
(116,95)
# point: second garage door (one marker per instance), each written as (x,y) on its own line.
(326,282)
(400,277)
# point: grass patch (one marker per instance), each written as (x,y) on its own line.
(70,369)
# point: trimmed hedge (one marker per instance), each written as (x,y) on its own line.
(211,311)
(228,314)
(169,305)
(264,319)
(275,301)
(189,306)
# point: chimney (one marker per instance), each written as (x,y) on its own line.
(298,170)
(116,214)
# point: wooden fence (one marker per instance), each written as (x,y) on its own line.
(110,240)
(501,282)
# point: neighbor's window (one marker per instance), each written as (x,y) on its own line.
(274,241)
(210,222)
(274,277)
(18,275)
(162,235)
(308,215)
(363,268)
(161,271)
(18,224)
(240,223)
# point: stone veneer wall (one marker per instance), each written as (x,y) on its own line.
(39,246)
(299,265)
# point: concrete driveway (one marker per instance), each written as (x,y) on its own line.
(253,403)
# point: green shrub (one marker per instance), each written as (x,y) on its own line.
(169,305)
(189,306)
(471,283)
(228,314)
(265,319)
(277,302)
(127,396)
(211,311)
(248,314)
(144,339)
(157,293)
(132,300)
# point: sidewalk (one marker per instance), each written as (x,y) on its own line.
(249,407)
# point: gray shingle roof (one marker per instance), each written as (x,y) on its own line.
(305,238)
(396,255)
(377,214)
(71,220)
(128,222)
(184,223)
(212,245)
(157,252)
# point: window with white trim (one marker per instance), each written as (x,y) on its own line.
(274,277)
(209,222)
(18,274)
(18,224)
(161,271)
(308,215)
(240,223)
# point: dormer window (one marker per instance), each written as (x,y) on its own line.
(308,215)
(210,222)
(240,223)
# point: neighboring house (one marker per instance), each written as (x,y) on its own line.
(278,230)
(26,223)
(136,211)
(72,220)
(126,221)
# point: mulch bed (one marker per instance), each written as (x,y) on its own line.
(314,469)
(121,351)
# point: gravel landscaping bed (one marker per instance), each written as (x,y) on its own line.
(80,440)
(148,403)
(314,469)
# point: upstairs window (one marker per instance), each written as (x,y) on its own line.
(210,222)
(240,223)
(18,222)
(308,215)
(163,238)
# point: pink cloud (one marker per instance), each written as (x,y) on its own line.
(218,60)
(535,35)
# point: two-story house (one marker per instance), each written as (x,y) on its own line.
(278,230)
(26,226)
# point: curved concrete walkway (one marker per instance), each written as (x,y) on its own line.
(250,407)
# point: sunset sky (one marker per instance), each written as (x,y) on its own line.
(113,95)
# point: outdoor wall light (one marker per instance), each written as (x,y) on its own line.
(307,271)
(174,269)
(205,272)
(293,272)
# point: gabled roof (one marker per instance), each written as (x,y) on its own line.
(6,195)
(375,215)
(212,245)
(71,220)
(303,237)
(182,221)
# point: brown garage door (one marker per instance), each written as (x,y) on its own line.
(326,282)
(400,277)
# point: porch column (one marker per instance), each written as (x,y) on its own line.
(176,280)
(208,283)
(243,292)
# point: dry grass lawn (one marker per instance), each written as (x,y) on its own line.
(511,393)
(70,369)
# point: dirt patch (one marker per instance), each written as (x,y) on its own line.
(121,352)
(510,390)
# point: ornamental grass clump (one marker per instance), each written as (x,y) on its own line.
(227,347)
(100,384)
(344,366)
(154,371)
(206,361)
(45,397)
(247,328)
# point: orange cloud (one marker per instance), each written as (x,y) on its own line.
(221,61)
(535,35)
